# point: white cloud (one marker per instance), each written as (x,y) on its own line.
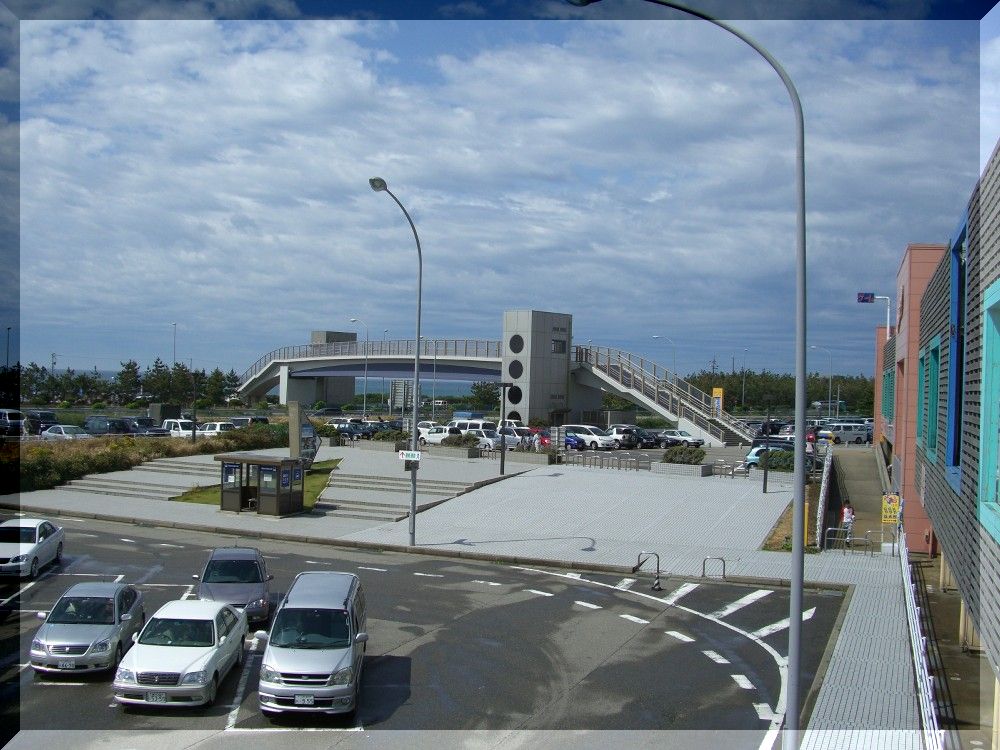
(216,174)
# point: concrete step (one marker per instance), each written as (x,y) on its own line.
(360,510)
(379,496)
(406,489)
(371,504)
(116,493)
(97,482)
(442,484)
(214,472)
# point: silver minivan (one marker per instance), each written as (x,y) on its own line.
(316,647)
(846,432)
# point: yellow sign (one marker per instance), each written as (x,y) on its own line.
(890,508)
(717,393)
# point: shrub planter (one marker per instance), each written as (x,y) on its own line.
(686,470)
(474,452)
(529,457)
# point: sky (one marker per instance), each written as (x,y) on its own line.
(637,174)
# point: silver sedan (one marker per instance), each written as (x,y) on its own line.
(65,432)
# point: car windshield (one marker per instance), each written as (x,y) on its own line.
(490,433)
(184,425)
(231,571)
(311,628)
(17,534)
(83,610)
(73,430)
(161,631)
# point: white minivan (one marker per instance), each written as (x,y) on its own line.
(472,424)
(594,437)
(845,432)
(316,647)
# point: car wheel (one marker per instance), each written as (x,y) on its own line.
(422,441)
(836,441)
(859,441)
(117,660)
(686,444)
(593,446)
(618,444)
(33,573)
(58,559)
(239,653)
(213,689)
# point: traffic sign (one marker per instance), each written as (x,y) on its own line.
(409,455)
(866,297)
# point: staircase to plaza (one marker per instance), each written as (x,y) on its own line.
(660,391)
(382,498)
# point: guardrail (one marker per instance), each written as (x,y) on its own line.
(663,387)
(824,491)
(430,348)
(598,460)
(931,733)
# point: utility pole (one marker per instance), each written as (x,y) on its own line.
(715,365)
(53,364)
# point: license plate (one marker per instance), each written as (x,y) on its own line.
(156,697)
(66,664)
(304,700)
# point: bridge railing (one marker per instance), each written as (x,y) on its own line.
(472,348)
(662,387)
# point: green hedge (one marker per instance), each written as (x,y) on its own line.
(48,464)
(392,435)
(778,461)
(461,441)
(681,455)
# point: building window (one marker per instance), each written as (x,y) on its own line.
(933,396)
(989,415)
(558,346)
(921,403)
(956,363)
(888,394)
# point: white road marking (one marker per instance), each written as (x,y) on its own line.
(83,533)
(62,684)
(684,588)
(428,575)
(14,596)
(78,520)
(313,562)
(273,730)
(188,592)
(22,667)
(630,618)
(163,585)
(781,662)
(741,603)
(625,583)
(573,575)
(742,681)
(119,577)
(782,624)
(680,636)
(588,605)
(175,546)
(764,712)
(716,657)
(540,593)
(377,570)
(130,541)
(488,583)
(234,707)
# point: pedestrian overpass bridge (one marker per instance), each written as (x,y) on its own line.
(312,372)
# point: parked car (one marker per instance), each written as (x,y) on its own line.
(182,655)
(214,429)
(575,442)
(180,427)
(472,424)
(435,435)
(27,545)
(425,426)
(355,431)
(66,432)
(514,436)
(11,422)
(89,628)
(315,651)
(237,576)
(624,436)
(247,421)
(669,438)
(512,423)
(842,432)
(753,457)
(36,421)
(490,439)
(147,426)
(595,437)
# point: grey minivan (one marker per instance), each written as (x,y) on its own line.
(316,647)
(237,576)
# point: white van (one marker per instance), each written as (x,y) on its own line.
(845,432)
(472,424)
(316,648)
(594,437)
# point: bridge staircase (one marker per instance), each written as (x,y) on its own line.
(660,391)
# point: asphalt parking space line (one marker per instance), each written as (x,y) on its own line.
(764,712)
(679,636)
(717,658)
(14,596)
(742,681)
(487,583)
(539,593)
(588,605)
(625,584)
(174,546)
(189,592)
(684,588)
(234,707)
(62,684)
(274,730)
(127,541)
(632,618)
(743,601)
(782,624)
(377,570)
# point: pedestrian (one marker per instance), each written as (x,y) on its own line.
(847,519)
(536,441)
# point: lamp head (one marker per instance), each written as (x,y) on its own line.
(378,184)
(582,3)
(353,320)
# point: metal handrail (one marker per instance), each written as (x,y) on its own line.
(824,490)
(932,734)
(640,561)
(475,348)
(705,563)
(661,386)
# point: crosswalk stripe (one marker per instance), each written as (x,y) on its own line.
(625,583)
(684,588)
(741,603)
(716,657)
(540,593)
(680,636)
(630,618)
(588,605)
(742,681)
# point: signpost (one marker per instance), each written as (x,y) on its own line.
(890,508)
(866,297)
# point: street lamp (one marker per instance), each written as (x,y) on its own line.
(798,493)
(379,186)
(888,304)
(673,365)
(364,403)
(8,348)
(829,387)
(175,344)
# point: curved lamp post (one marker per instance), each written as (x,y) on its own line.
(798,497)
(379,186)
(364,403)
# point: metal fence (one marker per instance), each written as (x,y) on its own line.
(931,733)
(429,348)
(824,491)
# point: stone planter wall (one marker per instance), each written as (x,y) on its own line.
(685,470)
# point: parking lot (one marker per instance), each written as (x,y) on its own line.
(454,644)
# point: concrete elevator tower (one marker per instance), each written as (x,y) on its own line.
(536,352)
